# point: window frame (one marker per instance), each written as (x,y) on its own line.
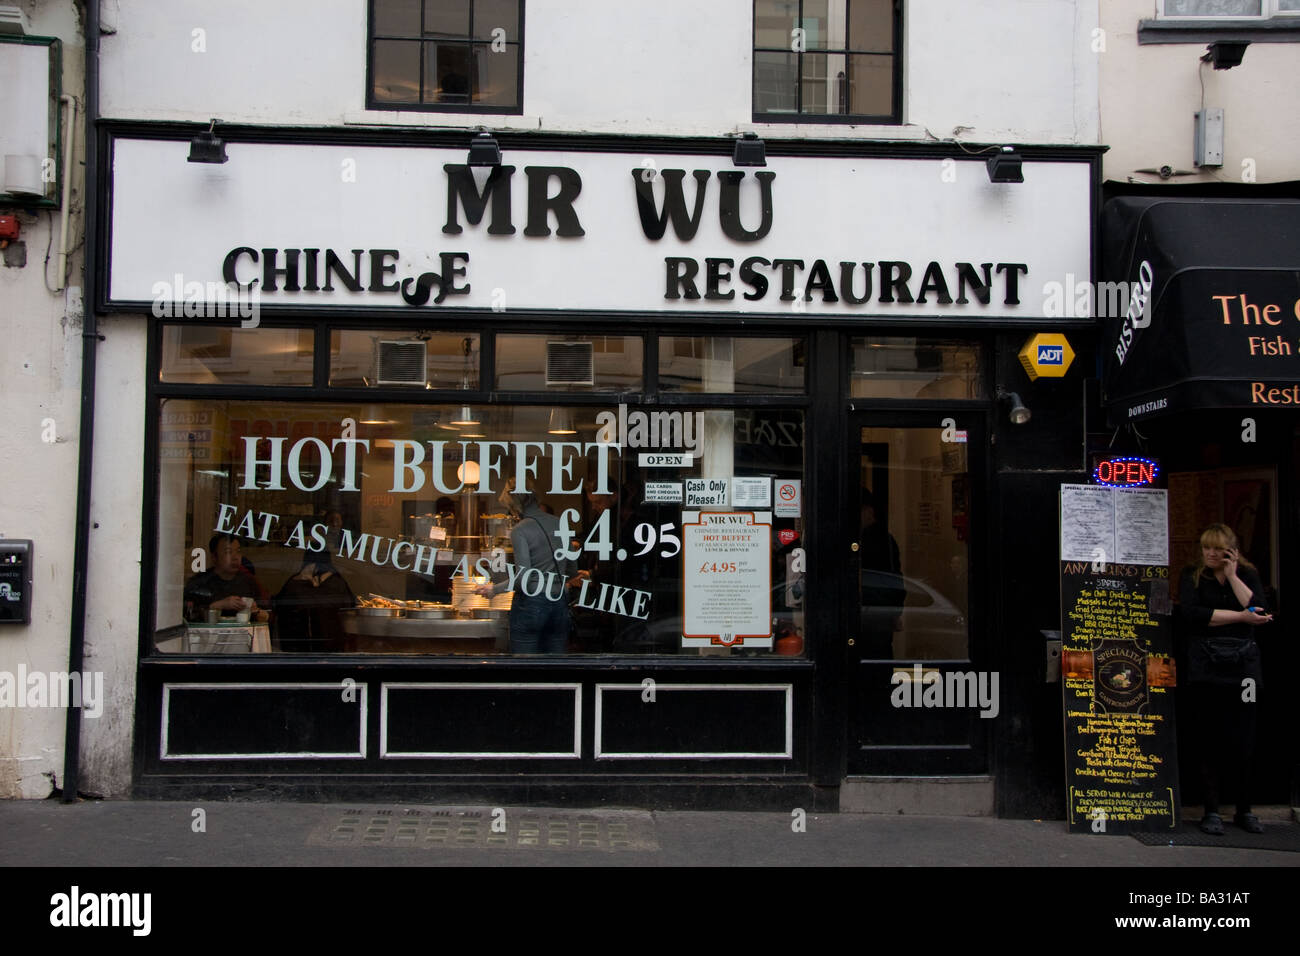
(321,392)
(1269,10)
(470,108)
(894,118)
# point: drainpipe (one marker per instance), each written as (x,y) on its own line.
(69,138)
(86,431)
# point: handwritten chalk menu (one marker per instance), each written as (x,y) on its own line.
(726,579)
(1117,671)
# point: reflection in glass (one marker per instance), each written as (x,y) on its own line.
(535,363)
(219,355)
(913,546)
(725,365)
(370,357)
(904,367)
(396,71)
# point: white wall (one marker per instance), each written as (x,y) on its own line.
(1149,94)
(113,579)
(1014,70)
(1003,69)
(40,380)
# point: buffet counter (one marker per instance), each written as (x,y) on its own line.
(401,632)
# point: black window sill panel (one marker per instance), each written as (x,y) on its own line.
(1276,30)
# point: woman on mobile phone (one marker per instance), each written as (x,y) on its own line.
(1222,602)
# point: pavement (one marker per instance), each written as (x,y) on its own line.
(132,833)
(309,873)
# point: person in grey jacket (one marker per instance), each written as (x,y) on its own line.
(540,619)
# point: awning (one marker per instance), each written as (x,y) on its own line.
(1200,305)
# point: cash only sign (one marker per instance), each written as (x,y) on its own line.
(1117,670)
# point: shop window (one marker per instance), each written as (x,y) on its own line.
(378,358)
(725,365)
(539,363)
(901,367)
(827,61)
(454,55)
(216,355)
(675,535)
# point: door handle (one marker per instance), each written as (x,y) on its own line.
(853,546)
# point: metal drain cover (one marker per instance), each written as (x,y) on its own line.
(472,828)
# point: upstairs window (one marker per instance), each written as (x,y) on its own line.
(1227,9)
(449,55)
(828,61)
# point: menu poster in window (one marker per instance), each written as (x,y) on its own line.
(1087,523)
(727,579)
(1141,525)
(1117,676)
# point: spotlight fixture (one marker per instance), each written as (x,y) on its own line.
(1020,412)
(1225,54)
(207,147)
(1005,167)
(484,151)
(749,151)
(561,423)
(465,416)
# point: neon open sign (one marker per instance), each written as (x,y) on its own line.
(1126,472)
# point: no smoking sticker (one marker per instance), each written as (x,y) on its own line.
(789,498)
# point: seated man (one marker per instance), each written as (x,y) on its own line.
(226,586)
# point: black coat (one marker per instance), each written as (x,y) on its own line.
(1198,600)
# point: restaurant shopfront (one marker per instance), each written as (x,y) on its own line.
(1201,378)
(609,473)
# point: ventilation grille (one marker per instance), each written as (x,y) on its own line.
(569,363)
(401,363)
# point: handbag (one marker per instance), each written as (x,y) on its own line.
(1226,652)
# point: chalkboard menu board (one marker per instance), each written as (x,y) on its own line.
(1117,670)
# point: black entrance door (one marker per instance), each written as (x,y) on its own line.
(911,571)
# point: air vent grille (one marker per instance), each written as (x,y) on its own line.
(569,363)
(401,363)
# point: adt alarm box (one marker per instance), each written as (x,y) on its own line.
(15,581)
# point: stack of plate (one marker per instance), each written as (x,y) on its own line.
(501,602)
(463,597)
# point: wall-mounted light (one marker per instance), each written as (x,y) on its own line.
(1006,167)
(1225,54)
(484,150)
(749,151)
(1019,412)
(207,147)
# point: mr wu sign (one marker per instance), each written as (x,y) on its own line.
(1120,472)
(592,231)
